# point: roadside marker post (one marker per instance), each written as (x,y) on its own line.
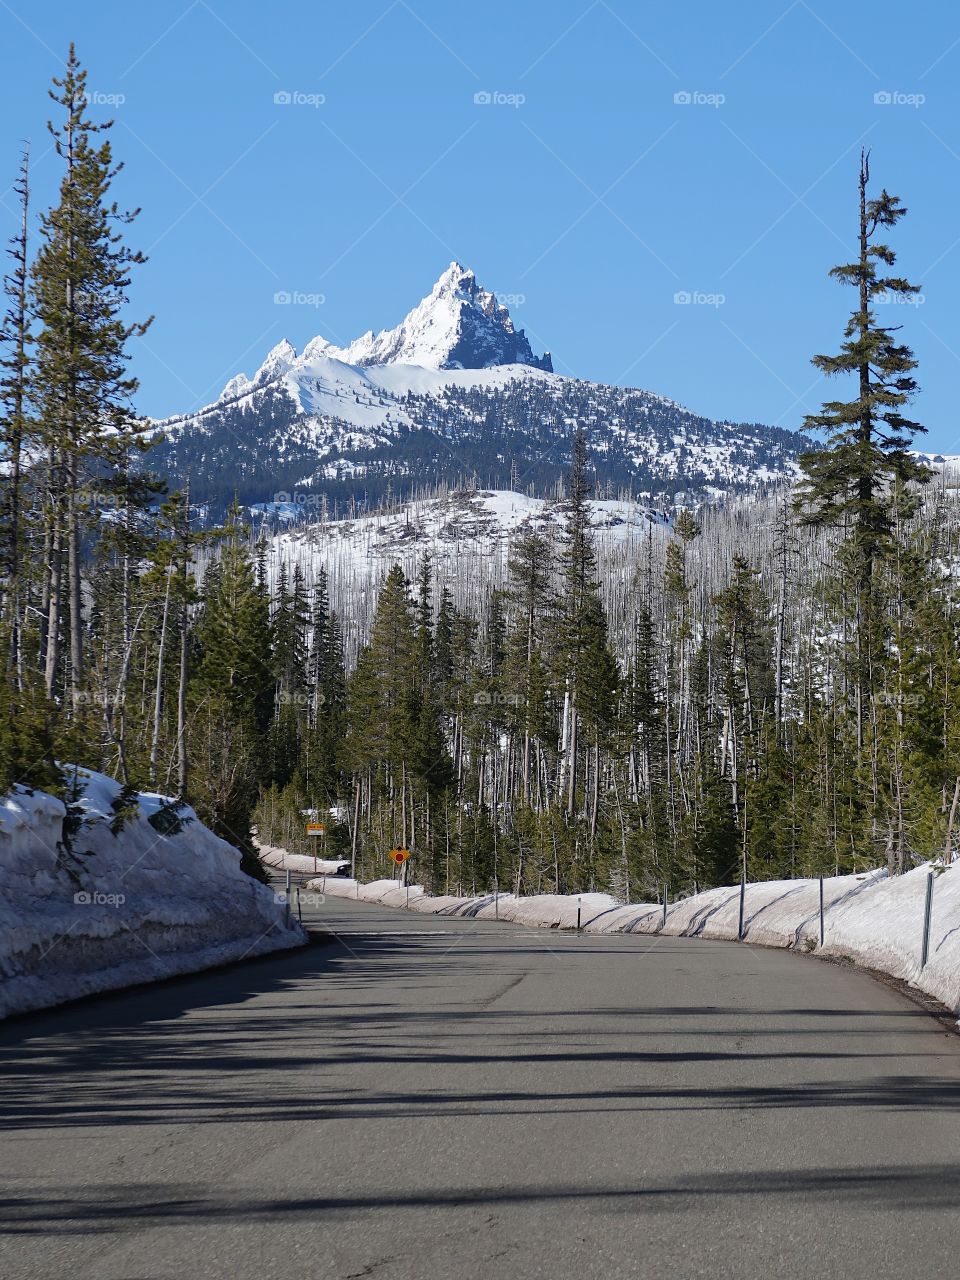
(579,900)
(496,901)
(663,923)
(400,857)
(821,911)
(319,830)
(927,917)
(743,896)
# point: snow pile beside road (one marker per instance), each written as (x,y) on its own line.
(280,860)
(871,919)
(104,908)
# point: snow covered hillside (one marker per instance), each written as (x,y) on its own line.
(456,530)
(126,890)
(872,919)
(453,395)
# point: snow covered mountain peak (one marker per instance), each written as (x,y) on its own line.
(458,325)
(455,277)
(279,359)
(316,348)
(460,283)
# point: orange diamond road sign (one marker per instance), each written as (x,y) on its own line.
(400,855)
(316,828)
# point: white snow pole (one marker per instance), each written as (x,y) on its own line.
(579,901)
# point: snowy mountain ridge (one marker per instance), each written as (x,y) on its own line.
(452,396)
(458,325)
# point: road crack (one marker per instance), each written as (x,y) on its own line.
(487,1001)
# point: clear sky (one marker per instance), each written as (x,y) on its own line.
(582,188)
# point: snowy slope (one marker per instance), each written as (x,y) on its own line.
(947,463)
(320,383)
(458,326)
(115,909)
(455,528)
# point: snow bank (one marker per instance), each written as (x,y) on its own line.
(280,860)
(871,919)
(105,910)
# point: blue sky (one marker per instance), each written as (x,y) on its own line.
(583,189)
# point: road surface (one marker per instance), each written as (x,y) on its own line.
(454,1099)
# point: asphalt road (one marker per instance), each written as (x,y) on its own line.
(438,1098)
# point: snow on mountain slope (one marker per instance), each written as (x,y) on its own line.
(321,385)
(457,531)
(326,385)
(946,463)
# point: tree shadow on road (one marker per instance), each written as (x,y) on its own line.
(78,1210)
(304,1036)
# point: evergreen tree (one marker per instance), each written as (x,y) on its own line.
(583,649)
(849,483)
(81,389)
(524,676)
(232,693)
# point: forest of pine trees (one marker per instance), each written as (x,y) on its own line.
(766,689)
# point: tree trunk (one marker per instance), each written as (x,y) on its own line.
(948,841)
(54,596)
(158,692)
(75,590)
